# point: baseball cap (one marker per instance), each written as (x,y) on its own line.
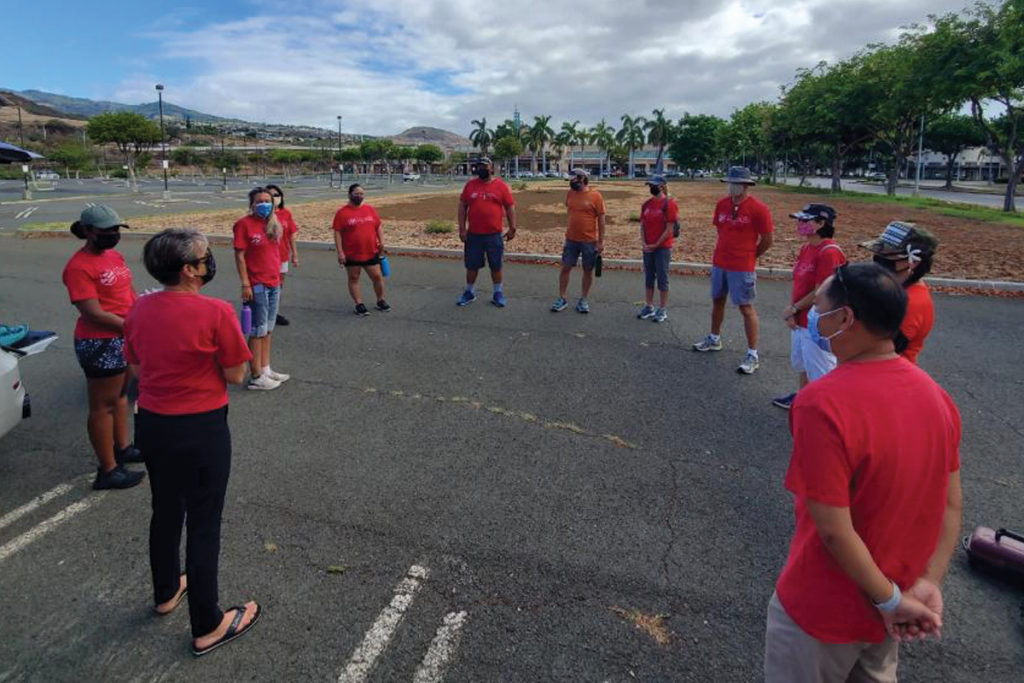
(815,212)
(657,180)
(900,236)
(582,172)
(101,217)
(482,160)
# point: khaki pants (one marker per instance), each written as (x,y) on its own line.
(792,656)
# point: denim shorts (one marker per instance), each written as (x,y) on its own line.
(573,250)
(656,265)
(741,286)
(478,246)
(264,309)
(101,358)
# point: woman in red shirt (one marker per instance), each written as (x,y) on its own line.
(99,284)
(185,348)
(289,246)
(360,243)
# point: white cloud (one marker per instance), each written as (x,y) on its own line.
(392,64)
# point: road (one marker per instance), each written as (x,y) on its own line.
(930,189)
(472,494)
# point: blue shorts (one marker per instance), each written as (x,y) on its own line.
(739,285)
(101,358)
(478,246)
(656,265)
(264,309)
(573,250)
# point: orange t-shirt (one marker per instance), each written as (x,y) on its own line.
(584,209)
(919,319)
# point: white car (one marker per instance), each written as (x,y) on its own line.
(407,177)
(47,175)
(14,402)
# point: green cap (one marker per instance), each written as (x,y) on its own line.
(101,217)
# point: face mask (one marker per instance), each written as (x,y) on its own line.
(806,228)
(655,190)
(824,343)
(576,185)
(263,209)
(736,189)
(483,173)
(106,240)
(356,200)
(211,269)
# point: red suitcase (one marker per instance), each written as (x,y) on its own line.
(1000,552)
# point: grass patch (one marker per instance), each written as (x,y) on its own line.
(52,226)
(634,218)
(939,206)
(519,185)
(437,227)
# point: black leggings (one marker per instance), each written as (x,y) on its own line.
(188,458)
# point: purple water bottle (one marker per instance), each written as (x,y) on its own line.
(385,266)
(246,320)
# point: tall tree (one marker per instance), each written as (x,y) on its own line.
(695,143)
(562,141)
(951,135)
(481,136)
(659,132)
(603,136)
(132,134)
(540,136)
(571,132)
(631,136)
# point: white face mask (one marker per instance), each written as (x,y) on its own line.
(736,189)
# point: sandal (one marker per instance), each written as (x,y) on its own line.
(233,630)
(182,592)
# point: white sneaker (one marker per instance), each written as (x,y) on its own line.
(278,377)
(263,383)
(749,364)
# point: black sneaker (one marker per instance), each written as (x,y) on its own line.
(362,310)
(784,402)
(281,320)
(383,306)
(117,478)
(129,454)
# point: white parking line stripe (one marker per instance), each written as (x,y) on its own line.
(380,634)
(40,500)
(43,528)
(432,668)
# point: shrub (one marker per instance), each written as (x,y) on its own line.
(519,185)
(436,227)
(634,218)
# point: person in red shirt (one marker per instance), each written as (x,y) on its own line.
(257,242)
(99,284)
(359,240)
(485,200)
(908,250)
(875,476)
(659,218)
(185,348)
(289,243)
(817,260)
(744,233)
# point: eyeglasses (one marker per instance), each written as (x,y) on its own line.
(205,260)
(274,194)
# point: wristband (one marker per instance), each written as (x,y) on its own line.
(890,605)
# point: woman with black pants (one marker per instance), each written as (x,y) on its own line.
(184,348)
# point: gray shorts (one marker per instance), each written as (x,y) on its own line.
(656,264)
(739,285)
(572,251)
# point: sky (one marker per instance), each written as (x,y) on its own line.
(391,64)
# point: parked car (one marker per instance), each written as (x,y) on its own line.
(407,177)
(673,174)
(640,173)
(551,174)
(14,401)
(47,174)
(877,175)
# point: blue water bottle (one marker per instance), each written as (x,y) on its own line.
(246,319)
(385,266)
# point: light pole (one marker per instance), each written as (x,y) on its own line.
(163,145)
(21,128)
(920,158)
(341,164)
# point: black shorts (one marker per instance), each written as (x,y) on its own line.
(101,358)
(375,261)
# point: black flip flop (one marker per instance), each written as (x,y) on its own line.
(181,596)
(233,630)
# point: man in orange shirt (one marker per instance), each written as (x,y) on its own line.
(584,237)
(907,251)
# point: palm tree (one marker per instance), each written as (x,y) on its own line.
(540,135)
(561,141)
(659,129)
(631,136)
(482,136)
(603,136)
(571,133)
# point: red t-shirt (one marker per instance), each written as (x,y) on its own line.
(814,264)
(737,237)
(181,342)
(358,227)
(486,203)
(262,254)
(880,438)
(104,276)
(919,319)
(655,217)
(289,228)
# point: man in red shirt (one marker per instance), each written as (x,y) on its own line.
(744,233)
(484,202)
(907,250)
(875,475)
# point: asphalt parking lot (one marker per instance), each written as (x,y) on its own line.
(475,494)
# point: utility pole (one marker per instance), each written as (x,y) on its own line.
(920,158)
(163,143)
(21,128)
(341,164)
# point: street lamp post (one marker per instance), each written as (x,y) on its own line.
(341,164)
(21,128)
(163,144)
(920,158)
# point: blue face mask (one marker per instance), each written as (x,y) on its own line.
(263,209)
(824,343)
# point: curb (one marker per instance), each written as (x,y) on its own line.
(771,272)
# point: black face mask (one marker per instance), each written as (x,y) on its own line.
(655,190)
(106,240)
(483,173)
(356,200)
(211,269)
(576,185)
(886,263)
